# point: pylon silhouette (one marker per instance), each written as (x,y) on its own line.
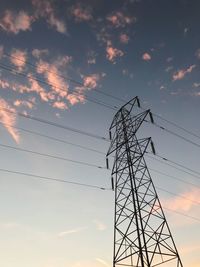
(142,237)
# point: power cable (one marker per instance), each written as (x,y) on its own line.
(53,179)
(55,124)
(11,70)
(81,184)
(52,156)
(174,177)
(106,94)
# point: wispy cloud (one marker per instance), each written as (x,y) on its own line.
(124,38)
(99,225)
(103,262)
(81,13)
(9,119)
(15,22)
(45,9)
(146,56)
(18,58)
(184,202)
(37,53)
(72,231)
(112,53)
(179,75)
(198,53)
(119,19)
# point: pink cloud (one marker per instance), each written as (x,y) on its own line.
(91,81)
(81,13)
(124,38)
(112,53)
(118,19)
(4,84)
(15,22)
(25,103)
(146,57)
(18,58)
(9,119)
(45,9)
(53,76)
(75,98)
(179,75)
(37,53)
(182,203)
(60,105)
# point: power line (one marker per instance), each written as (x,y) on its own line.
(96,101)
(52,156)
(55,124)
(25,75)
(81,184)
(180,196)
(114,97)
(53,138)
(174,177)
(174,167)
(183,214)
(53,179)
(64,77)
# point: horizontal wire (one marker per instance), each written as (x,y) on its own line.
(114,97)
(53,179)
(90,149)
(198,177)
(53,138)
(55,124)
(83,184)
(52,156)
(174,177)
(178,195)
(64,77)
(25,75)
(183,214)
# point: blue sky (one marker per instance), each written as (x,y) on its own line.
(123,48)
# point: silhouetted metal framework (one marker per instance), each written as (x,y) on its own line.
(142,237)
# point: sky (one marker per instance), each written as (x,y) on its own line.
(71,63)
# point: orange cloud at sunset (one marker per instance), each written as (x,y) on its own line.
(8,119)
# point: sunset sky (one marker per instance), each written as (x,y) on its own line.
(73,63)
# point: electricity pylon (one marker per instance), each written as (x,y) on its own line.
(142,237)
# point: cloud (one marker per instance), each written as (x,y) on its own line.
(198,53)
(99,225)
(29,104)
(72,231)
(9,119)
(45,9)
(60,105)
(124,38)
(76,98)
(18,58)
(15,22)
(179,75)
(112,53)
(37,53)
(103,262)
(146,57)
(81,13)
(182,203)
(196,85)
(4,84)
(53,76)
(120,20)
(90,81)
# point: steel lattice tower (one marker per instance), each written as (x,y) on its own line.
(142,237)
